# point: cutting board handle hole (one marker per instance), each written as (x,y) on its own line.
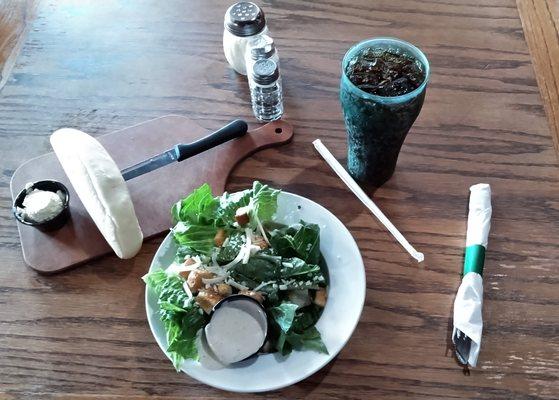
(279,131)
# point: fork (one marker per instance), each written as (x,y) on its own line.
(462,345)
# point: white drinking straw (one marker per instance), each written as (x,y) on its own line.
(354,187)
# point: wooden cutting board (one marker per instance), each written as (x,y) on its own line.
(152,194)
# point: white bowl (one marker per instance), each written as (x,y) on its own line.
(346,296)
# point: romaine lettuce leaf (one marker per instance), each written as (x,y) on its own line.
(155,280)
(264,200)
(299,240)
(260,268)
(182,332)
(310,339)
(198,208)
(272,295)
(283,315)
(200,238)
(181,316)
(201,208)
(228,252)
(306,317)
(183,251)
(229,203)
(296,268)
(182,350)
(294,329)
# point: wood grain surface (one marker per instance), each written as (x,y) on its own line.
(15,18)
(101,66)
(540,20)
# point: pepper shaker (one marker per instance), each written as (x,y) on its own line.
(265,90)
(260,48)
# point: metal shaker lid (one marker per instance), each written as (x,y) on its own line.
(244,19)
(262,47)
(264,72)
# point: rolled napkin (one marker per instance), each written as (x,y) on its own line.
(468,321)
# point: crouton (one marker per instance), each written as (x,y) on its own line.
(320,297)
(255,295)
(207,299)
(220,237)
(194,280)
(224,289)
(188,261)
(260,242)
(242,215)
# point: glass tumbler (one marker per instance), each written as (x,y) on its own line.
(377,125)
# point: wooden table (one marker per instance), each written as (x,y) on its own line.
(100,66)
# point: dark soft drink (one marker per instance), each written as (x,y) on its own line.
(382,90)
(385,72)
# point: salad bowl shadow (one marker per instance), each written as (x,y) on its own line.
(346,297)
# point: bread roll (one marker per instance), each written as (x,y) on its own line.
(100,186)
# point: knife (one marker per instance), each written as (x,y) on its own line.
(182,151)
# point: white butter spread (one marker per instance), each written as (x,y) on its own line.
(42,205)
(236,331)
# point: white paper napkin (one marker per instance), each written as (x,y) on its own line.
(469,299)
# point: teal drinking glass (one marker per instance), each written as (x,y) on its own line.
(377,125)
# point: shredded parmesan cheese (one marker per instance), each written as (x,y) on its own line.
(211,281)
(187,290)
(175,268)
(231,282)
(214,257)
(216,270)
(261,228)
(263,284)
(247,245)
(254,249)
(239,256)
(237,259)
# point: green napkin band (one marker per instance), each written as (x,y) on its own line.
(475,258)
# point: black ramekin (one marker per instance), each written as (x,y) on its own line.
(55,222)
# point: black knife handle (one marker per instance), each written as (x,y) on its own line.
(232,130)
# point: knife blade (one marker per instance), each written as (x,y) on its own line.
(149,165)
(183,151)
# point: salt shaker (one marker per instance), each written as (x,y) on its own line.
(259,48)
(243,23)
(265,90)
